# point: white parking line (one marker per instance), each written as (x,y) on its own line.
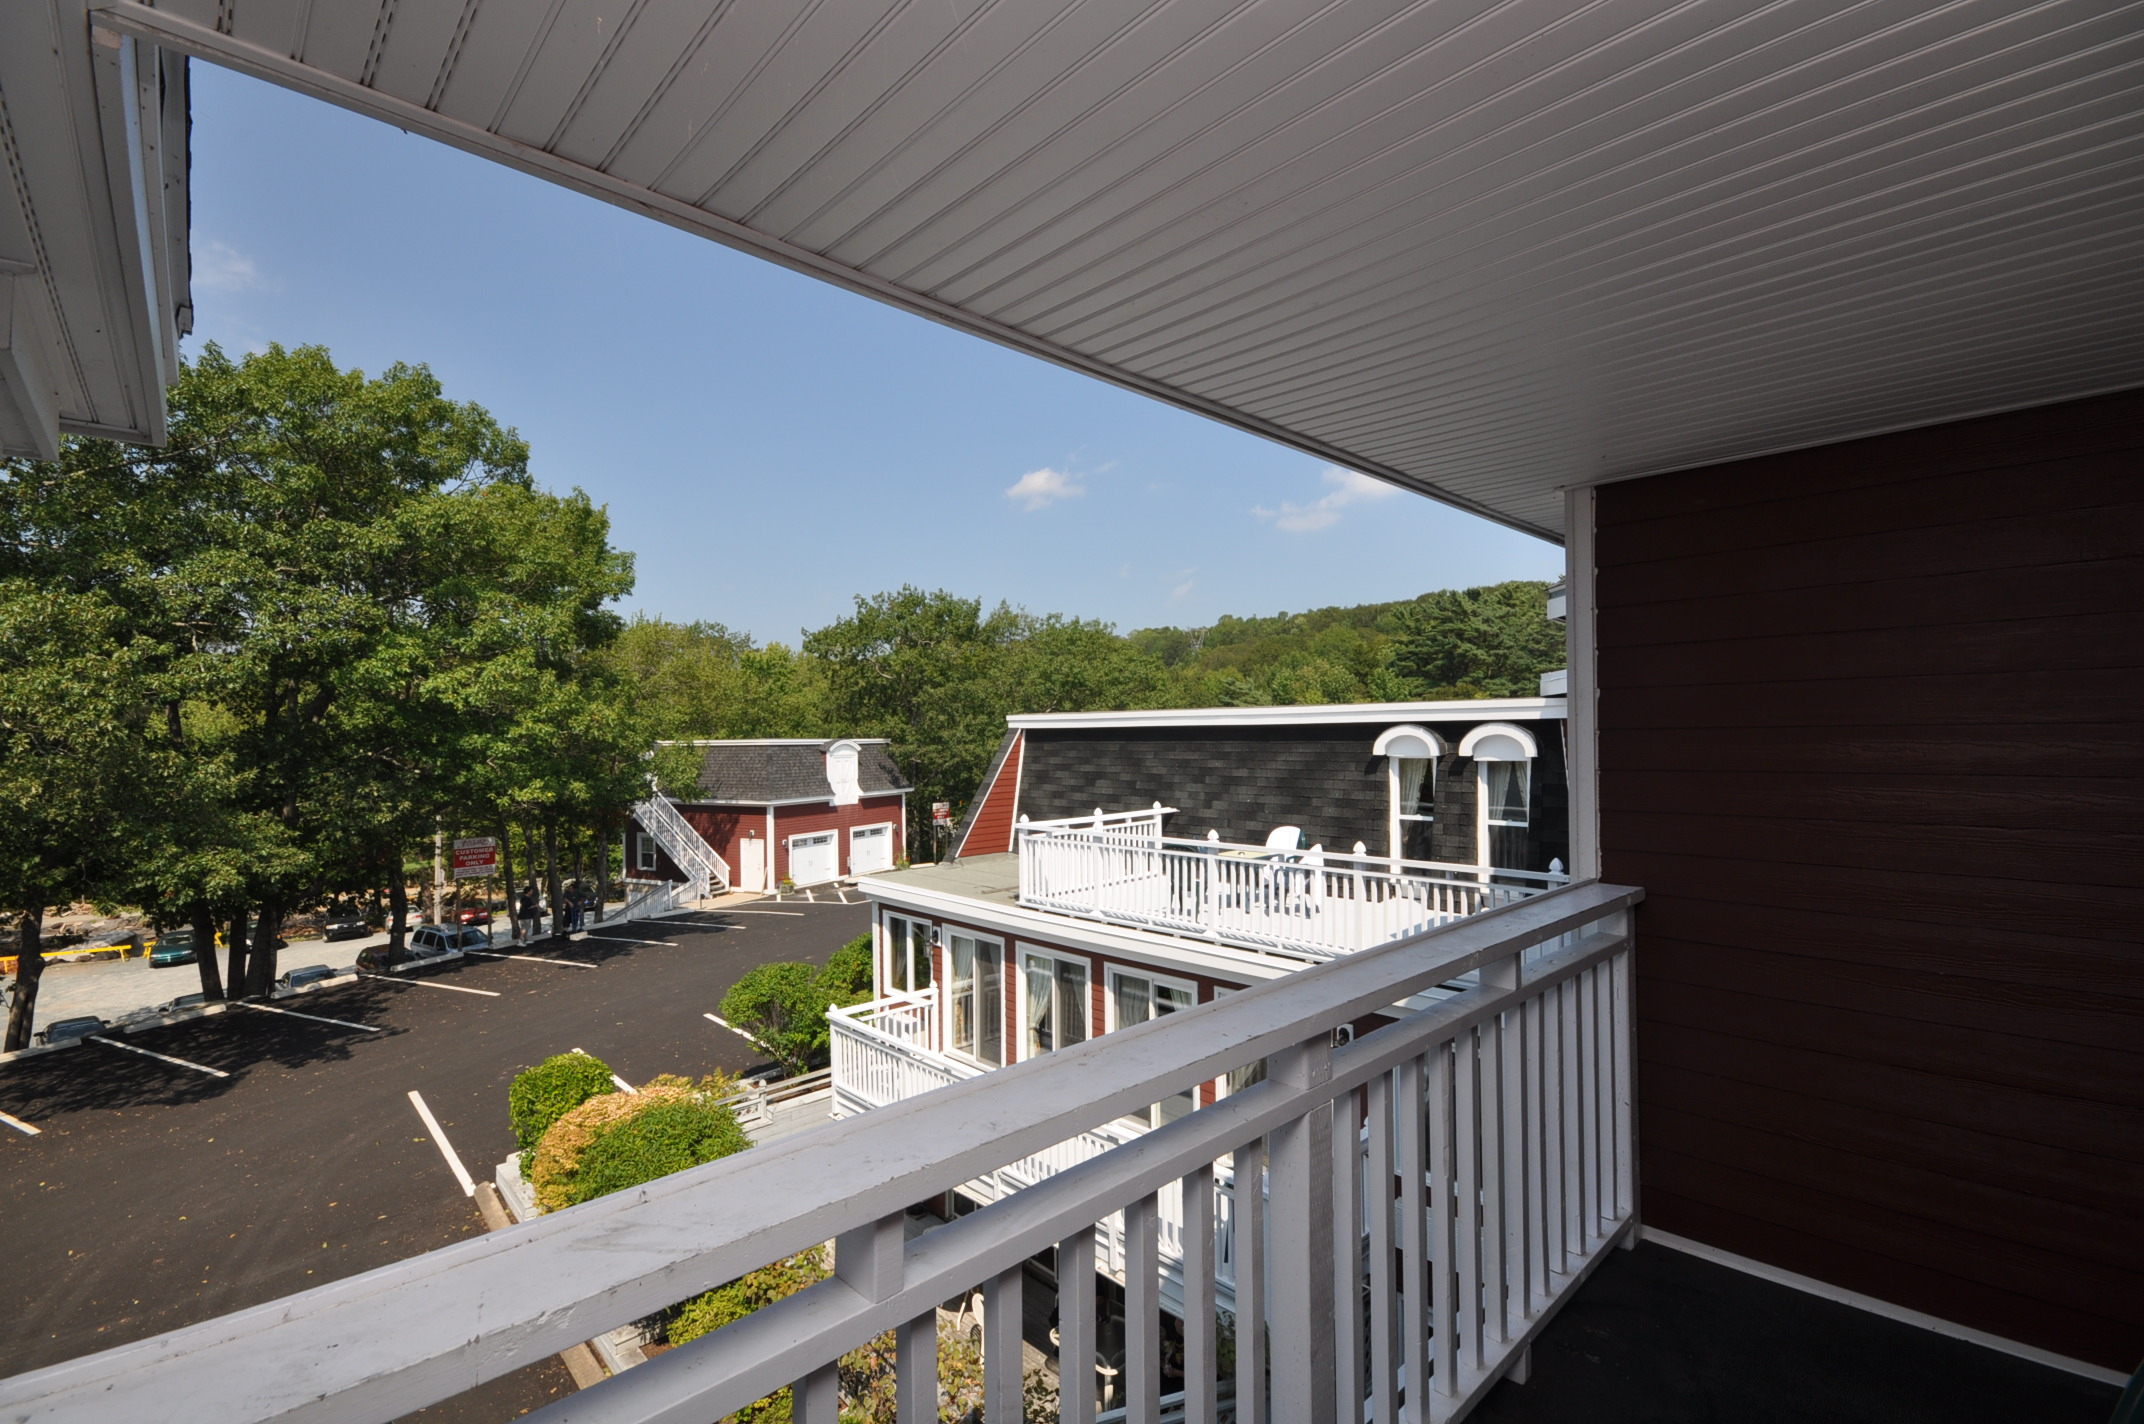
(446,1148)
(316,1018)
(428,984)
(19,1125)
(161,1057)
(792,914)
(717,1018)
(621,939)
(530,958)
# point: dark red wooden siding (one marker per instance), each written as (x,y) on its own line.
(990,828)
(1872,739)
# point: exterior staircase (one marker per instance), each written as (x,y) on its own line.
(706,872)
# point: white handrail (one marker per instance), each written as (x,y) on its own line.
(1304,904)
(706,872)
(1504,1114)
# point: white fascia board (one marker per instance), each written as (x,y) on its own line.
(1158,950)
(1504,709)
(803,800)
(774,742)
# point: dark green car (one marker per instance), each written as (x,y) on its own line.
(172,947)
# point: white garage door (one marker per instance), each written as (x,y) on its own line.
(870,849)
(813,859)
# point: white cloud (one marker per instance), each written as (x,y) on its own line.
(1345,487)
(1182,591)
(219,267)
(1039,489)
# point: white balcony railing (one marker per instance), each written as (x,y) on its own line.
(881,1056)
(1482,1145)
(1306,904)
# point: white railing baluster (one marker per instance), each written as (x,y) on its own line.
(915,1369)
(1003,1358)
(1142,1313)
(1467,1270)
(1443,1309)
(1201,1357)
(1299,1170)
(1494,1329)
(1518,1175)
(1347,1184)
(1410,1098)
(1251,1292)
(1075,1328)
(1384,1296)
(1574,1122)
(816,1398)
(1626,1198)
(1554,1184)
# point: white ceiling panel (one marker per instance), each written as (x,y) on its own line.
(1487,249)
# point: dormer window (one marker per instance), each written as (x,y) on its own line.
(1503,769)
(841,773)
(1410,755)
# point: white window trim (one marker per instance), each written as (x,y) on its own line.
(945,993)
(646,853)
(1022,950)
(1116,972)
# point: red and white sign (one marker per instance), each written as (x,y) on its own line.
(474,856)
(942,812)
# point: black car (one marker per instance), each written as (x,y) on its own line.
(305,974)
(345,924)
(69,1028)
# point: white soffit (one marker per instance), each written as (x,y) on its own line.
(1485,250)
(93,210)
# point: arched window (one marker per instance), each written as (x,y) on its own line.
(1503,767)
(1410,755)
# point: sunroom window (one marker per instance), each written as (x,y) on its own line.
(1056,1003)
(1134,999)
(975,1006)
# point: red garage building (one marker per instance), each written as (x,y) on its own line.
(821,808)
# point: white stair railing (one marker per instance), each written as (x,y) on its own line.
(1497,1149)
(706,872)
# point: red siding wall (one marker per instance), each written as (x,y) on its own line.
(1871,740)
(724,827)
(990,828)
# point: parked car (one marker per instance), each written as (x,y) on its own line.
(184,1001)
(476,915)
(172,947)
(344,924)
(431,944)
(305,974)
(70,1028)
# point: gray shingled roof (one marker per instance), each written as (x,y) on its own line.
(755,773)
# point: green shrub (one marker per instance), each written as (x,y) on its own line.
(847,976)
(668,1137)
(542,1095)
(783,1008)
(702,1315)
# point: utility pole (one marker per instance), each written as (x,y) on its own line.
(439,874)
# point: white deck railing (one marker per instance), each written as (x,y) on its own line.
(1305,904)
(881,1056)
(1496,1127)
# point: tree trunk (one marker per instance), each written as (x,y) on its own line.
(397,918)
(506,867)
(234,974)
(203,920)
(602,848)
(261,960)
(29,968)
(550,870)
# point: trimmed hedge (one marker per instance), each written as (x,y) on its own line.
(668,1136)
(847,976)
(542,1095)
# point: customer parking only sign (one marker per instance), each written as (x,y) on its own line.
(476,855)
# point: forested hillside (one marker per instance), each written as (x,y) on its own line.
(937,674)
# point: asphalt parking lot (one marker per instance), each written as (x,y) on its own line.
(156,1195)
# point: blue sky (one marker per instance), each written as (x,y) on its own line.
(767,445)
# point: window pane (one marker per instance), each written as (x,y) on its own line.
(1413,776)
(1072,1001)
(1171,999)
(1507,791)
(919,955)
(1131,1001)
(1041,986)
(989,1006)
(962,993)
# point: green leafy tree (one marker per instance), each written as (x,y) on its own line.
(1478,642)
(782,1006)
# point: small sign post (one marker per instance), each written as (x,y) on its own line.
(941,824)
